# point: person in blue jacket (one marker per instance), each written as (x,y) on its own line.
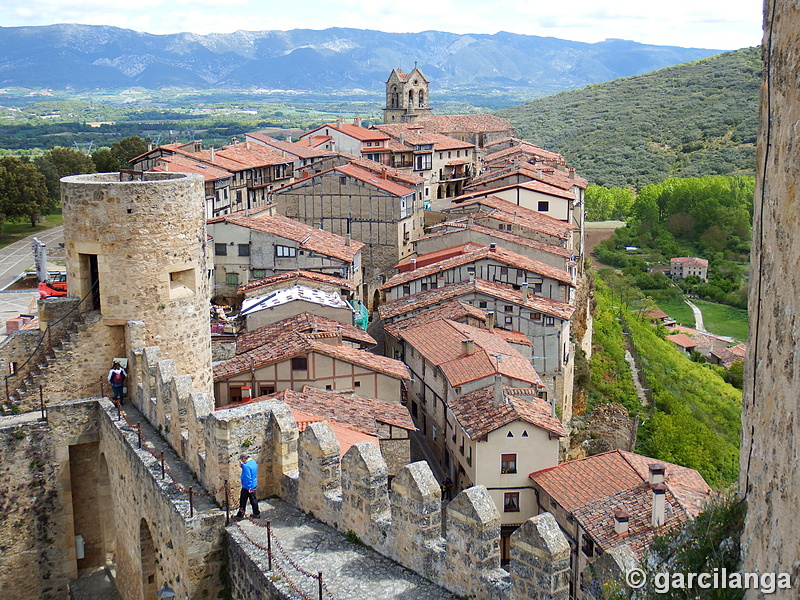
(249,485)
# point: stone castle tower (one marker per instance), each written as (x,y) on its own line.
(137,249)
(407,97)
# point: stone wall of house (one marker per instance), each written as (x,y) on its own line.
(769,479)
(138,249)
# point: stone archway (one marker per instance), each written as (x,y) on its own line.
(148,559)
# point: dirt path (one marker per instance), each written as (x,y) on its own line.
(592,237)
(698,316)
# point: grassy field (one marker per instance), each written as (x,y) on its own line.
(13,232)
(724,320)
(680,311)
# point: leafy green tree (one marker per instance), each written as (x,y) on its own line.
(60,162)
(119,154)
(23,190)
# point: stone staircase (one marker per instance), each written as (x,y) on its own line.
(56,366)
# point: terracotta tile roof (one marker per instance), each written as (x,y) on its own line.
(178,163)
(440,342)
(508,212)
(429,258)
(375,180)
(656,313)
(354,131)
(283,344)
(301,323)
(345,435)
(255,284)
(533,185)
(393,174)
(689,261)
(478,416)
(455,311)
(309,238)
(360,414)
(580,482)
(485,252)
(544,173)
(728,356)
(452,291)
(682,340)
(513,337)
(461,224)
(475,123)
(291,148)
(314,141)
(522,147)
(261,211)
(414,134)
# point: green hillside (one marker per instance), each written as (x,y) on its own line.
(694,119)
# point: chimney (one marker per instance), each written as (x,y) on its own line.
(211,153)
(539,173)
(357,121)
(149,147)
(571,172)
(524,291)
(470,221)
(198,146)
(247,393)
(490,320)
(347,240)
(659,505)
(497,398)
(656,473)
(441,272)
(339,122)
(413,263)
(492,247)
(468,346)
(621,518)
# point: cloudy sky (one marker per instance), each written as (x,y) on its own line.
(718,24)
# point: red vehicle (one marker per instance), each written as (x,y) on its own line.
(53,287)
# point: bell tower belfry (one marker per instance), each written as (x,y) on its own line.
(406,97)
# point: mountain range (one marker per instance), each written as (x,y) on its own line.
(86,57)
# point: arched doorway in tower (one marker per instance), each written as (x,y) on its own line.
(148,559)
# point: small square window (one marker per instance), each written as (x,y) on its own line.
(259,273)
(503,270)
(356,384)
(244,249)
(342,180)
(549,321)
(300,363)
(508,308)
(406,290)
(220,249)
(509,320)
(536,316)
(508,463)
(544,206)
(482,304)
(511,502)
(232,278)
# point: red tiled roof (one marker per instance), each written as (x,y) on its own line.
(310,238)
(579,482)
(478,416)
(330,280)
(525,148)
(689,261)
(475,123)
(292,148)
(368,177)
(461,224)
(414,134)
(533,185)
(455,311)
(728,356)
(508,212)
(656,313)
(544,173)
(391,173)
(354,131)
(681,339)
(513,337)
(260,211)
(178,163)
(301,323)
(395,308)
(429,258)
(440,342)
(283,344)
(485,252)
(345,435)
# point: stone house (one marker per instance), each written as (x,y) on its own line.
(687,266)
(351,138)
(491,263)
(351,201)
(291,359)
(615,499)
(247,248)
(727,356)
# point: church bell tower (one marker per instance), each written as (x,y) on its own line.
(407,98)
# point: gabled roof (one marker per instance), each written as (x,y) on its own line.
(291,148)
(415,134)
(499,254)
(178,163)
(728,356)
(592,488)
(305,322)
(544,173)
(308,237)
(354,131)
(440,342)
(429,258)
(688,261)
(474,123)
(284,344)
(508,212)
(263,282)
(455,311)
(478,416)
(682,340)
(452,291)
(375,180)
(462,224)
(391,173)
(533,185)
(525,148)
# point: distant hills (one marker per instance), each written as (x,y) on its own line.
(688,120)
(85,57)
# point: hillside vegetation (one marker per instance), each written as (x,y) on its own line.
(694,119)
